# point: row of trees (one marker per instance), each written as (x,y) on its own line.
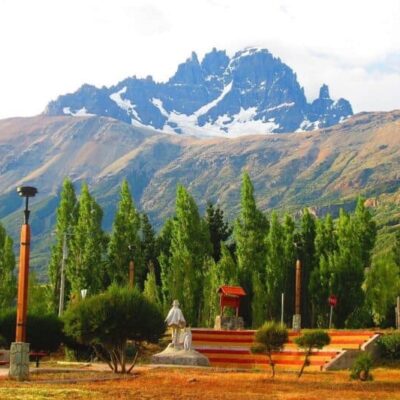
(193,255)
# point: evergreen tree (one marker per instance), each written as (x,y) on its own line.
(85,267)
(190,244)
(289,254)
(149,248)
(382,286)
(227,268)
(347,270)
(249,231)
(275,268)
(215,275)
(212,281)
(219,230)
(365,231)
(124,244)
(164,245)
(308,262)
(320,278)
(151,290)
(8,284)
(67,212)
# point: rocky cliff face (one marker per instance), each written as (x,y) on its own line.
(252,92)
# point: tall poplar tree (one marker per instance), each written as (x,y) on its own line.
(289,254)
(365,231)
(86,263)
(249,231)
(8,285)
(190,245)
(218,228)
(308,262)
(275,267)
(215,275)
(149,246)
(124,244)
(320,286)
(347,270)
(67,213)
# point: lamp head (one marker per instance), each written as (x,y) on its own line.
(27,191)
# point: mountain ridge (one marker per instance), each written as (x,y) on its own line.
(320,169)
(251,92)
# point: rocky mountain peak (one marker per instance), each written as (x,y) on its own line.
(251,92)
(324,92)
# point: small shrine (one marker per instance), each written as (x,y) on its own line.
(229,298)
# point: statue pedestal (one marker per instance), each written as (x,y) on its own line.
(178,356)
(232,323)
(19,361)
(296,322)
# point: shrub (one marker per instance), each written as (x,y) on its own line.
(311,340)
(360,369)
(108,320)
(269,338)
(389,346)
(43,332)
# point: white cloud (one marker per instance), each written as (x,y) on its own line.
(51,47)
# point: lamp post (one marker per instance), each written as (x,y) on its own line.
(19,351)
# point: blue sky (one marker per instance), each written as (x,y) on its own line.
(51,47)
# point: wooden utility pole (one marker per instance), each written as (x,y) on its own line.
(297,315)
(22,302)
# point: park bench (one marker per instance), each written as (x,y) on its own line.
(3,362)
(35,355)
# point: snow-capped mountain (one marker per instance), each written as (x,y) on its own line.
(251,93)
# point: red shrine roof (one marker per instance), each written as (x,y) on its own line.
(232,291)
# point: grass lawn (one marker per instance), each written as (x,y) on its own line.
(178,383)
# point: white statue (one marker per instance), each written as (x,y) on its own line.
(187,339)
(176,321)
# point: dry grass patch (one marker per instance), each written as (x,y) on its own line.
(179,384)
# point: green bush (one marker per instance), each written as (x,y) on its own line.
(361,367)
(389,346)
(43,332)
(108,320)
(269,338)
(311,340)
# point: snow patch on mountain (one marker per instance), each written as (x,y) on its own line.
(125,104)
(203,110)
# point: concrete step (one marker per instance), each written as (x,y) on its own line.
(231,349)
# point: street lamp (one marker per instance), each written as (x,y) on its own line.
(19,352)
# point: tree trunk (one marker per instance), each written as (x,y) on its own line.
(272,364)
(305,363)
(134,360)
(123,358)
(98,354)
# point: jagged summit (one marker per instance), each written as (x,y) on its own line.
(251,92)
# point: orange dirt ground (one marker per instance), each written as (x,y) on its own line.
(179,384)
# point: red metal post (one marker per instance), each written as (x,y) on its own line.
(22,302)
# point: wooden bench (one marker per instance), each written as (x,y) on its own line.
(37,356)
